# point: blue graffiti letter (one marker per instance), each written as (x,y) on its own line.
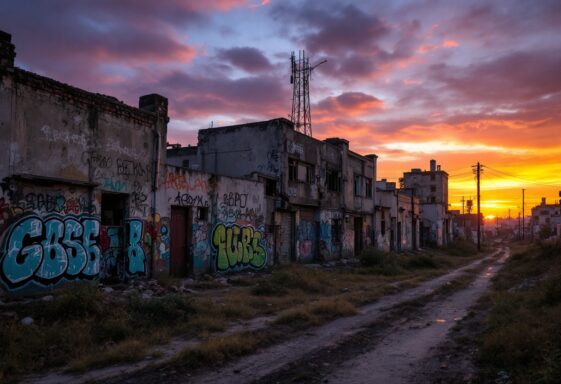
(74,250)
(20,264)
(93,253)
(54,259)
(135,253)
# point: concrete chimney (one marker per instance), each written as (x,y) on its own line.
(433,165)
(543,200)
(7,50)
(154,103)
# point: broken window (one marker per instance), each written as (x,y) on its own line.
(305,173)
(112,209)
(358,185)
(202,213)
(368,186)
(292,176)
(336,226)
(333,180)
(270,187)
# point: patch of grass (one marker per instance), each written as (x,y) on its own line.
(461,248)
(421,262)
(218,350)
(293,277)
(168,309)
(316,313)
(391,264)
(123,352)
(522,336)
(371,257)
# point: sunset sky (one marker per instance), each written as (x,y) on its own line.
(457,81)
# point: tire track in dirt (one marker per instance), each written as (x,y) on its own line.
(393,349)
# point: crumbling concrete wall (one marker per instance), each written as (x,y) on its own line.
(63,151)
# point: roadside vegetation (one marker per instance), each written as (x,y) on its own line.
(83,327)
(522,338)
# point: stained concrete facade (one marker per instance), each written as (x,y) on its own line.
(79,176)
(432,189)
(397,220)
(319,194)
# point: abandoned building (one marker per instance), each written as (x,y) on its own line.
(319,202)
(79,174)
(397,218)
(546,219)
(432,189)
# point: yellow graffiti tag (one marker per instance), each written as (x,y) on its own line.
(238,247)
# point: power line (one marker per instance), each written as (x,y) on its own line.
(511,176)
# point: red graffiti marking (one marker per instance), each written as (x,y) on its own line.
(181,182)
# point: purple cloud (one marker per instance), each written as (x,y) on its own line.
(247,58)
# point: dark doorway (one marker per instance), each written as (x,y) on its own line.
(112,265)
(181,257)
(358,235)
(414,233)
(113,209)
(392,235)
(399,237)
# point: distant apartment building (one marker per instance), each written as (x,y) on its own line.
(546,219)
(431,187)
(319,194)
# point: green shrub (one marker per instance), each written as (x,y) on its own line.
(371,257)
(421,262)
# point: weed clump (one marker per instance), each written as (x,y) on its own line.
(219,350)
(316,313)
(371,257)
(421,262)
(295,277)
(522,334)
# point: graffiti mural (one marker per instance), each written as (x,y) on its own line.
(185,199)
(234,208)
(238,247)
(180,181)
(111,252)
(201,246)
(46,249)
(136,259)
(330,227)
(306,239)
(164,243)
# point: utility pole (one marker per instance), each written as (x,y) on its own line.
(478,173)
(463,201)
(519,233)
(523,213)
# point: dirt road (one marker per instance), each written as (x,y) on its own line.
(387,342)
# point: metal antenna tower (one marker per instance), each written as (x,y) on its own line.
(300,75)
